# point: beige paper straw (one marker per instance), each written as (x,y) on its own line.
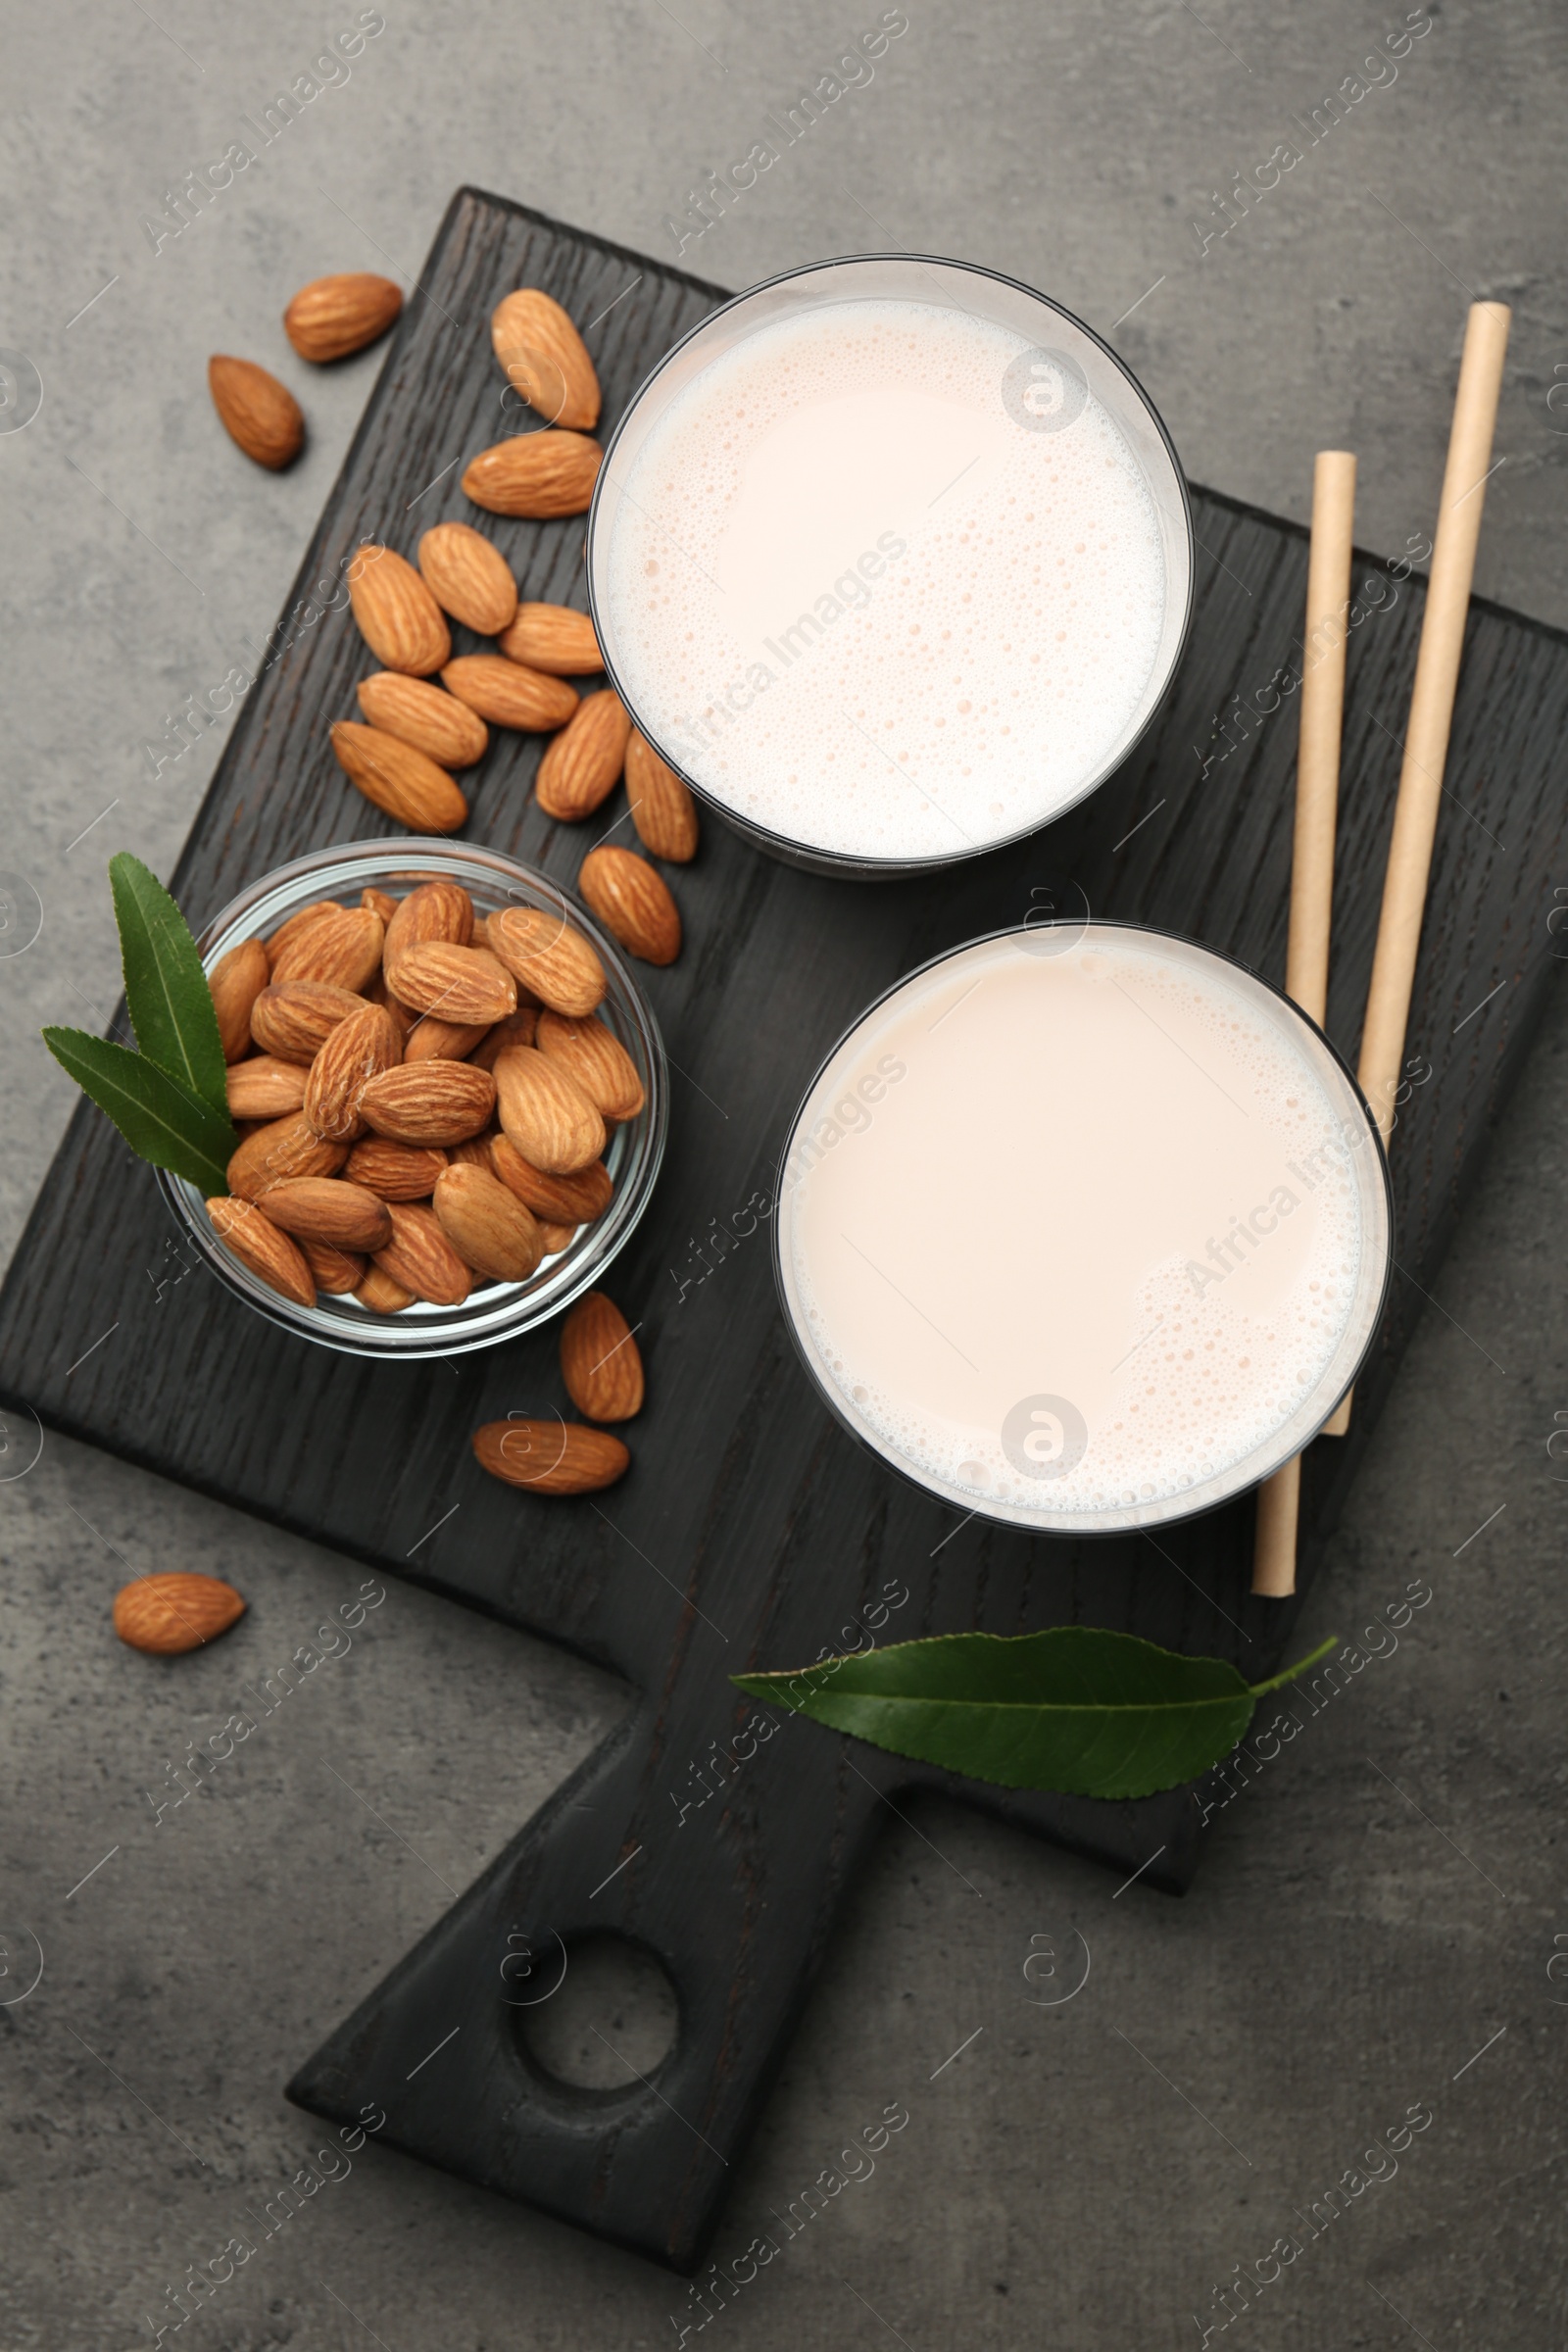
(1425,740)
(1317,794)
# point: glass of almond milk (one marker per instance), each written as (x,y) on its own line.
(892,559)
(1083,1228)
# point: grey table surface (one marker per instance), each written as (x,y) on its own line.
(1383,1902)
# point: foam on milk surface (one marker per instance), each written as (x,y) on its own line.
(864,605)
(1101,1176)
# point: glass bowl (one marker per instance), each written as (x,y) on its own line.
(493,1311)
(1001,1339)
(1042,390)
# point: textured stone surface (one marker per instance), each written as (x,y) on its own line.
(1340,1959)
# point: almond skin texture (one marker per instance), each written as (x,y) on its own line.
(324,1208)
(395,1171)
(259,1245)
(596,1060)
(457,984)
(422,1258)
(558,1200)
(297,924)
(582,766)
(632,900)
(436,910)
(468,576)
(519,1029)
(265,1088)
(284,1148)
(237,981)
(396,777)
(553,638)
(488,1226)
(539,475)
(600,1363)
(403,1020)
(380,1293)
(429,1102)
(344,951)
(292,1020)
(336,1271)
(545,358)
(509,695)
(357,1051)
(377,900)
(434,1040)
(260,413)
(167,1615)
(662,808)
(475,1151)
(558,1237)
(334,316)
(399,619)
(545,955)
(544,1114)
(434,721)
(551,1457)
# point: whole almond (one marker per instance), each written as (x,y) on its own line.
(399,619)
(662,806)
(632,900)
(553,638)
(558,1238)
(541,949)
(509,695)
(460,984)
(434,721)
(334,316)
(540,475)
(344,951)
(551,1457)
(236,982)
(291,930)
(380,1293)
(488,1226)
(284,1148)
(595,1060)
(544,1114)
(292,1020)
(563,1201)
(517,1029)
(404,782)
(259,1245)
(377,900)
(545,358)
(600,1362)
(468,576)
(430,1102)
(420,1257)
(434,910)
(324,1208)
(265,1088)
(582,766)
(396,1171)
(168,1614)
(357,1049)
(258,413)
(434,1040)
(336,1271)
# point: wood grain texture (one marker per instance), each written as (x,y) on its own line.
(751,1530)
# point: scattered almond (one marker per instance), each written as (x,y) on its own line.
(487,1225)
(237,980)
(381,1294)
(430,1102)
(259,1245)
(434,721)
(632,900)
(292,1020)
(662,808)
(468,576)
(600,1362)
(403,781)
(553,638)
(399,619)
(582,766)
(542,951)
(544,1114)
(168,1614)
(284,1148)
(595,1058)
(344,951)
(422,1258)
(258,413)
(334,316)
(357,1049)
(563,1201)
(265,1088)
(336,1271)
(545,358)
(540,475)
(396,1171)
(460,984)
(509,695)
(552,1457)
(517,1029)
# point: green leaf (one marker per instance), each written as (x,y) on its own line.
(159,1118)
(1074,1709)
(166,989)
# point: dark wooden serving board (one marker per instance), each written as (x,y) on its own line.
(752,1532)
